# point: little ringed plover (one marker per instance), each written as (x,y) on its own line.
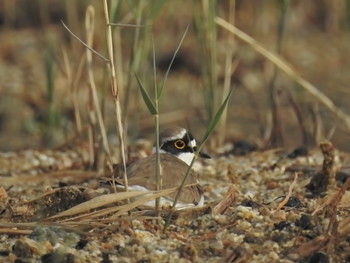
(177,149)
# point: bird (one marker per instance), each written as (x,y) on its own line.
(177,148)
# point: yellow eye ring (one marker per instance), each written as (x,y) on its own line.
(179,144)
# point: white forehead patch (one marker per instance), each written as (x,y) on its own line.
(179,135)
(193,143)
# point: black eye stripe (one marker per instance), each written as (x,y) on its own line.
(170,147)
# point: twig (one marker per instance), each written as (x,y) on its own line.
(290,190)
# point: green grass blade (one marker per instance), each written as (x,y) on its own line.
(210,129)
(151,107)
(213,123)
(155,73)
(159,93)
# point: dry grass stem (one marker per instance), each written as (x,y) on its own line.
(83,212)
(226,202)
(290,191)
(140,202)
(286,68)
(115,91)
(14,231)
(97,202)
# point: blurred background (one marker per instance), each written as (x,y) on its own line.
(44,85)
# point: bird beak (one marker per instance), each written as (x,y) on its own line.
(204,155)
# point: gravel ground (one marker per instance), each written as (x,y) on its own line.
(259,208)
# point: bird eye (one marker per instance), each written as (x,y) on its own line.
(180,144)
